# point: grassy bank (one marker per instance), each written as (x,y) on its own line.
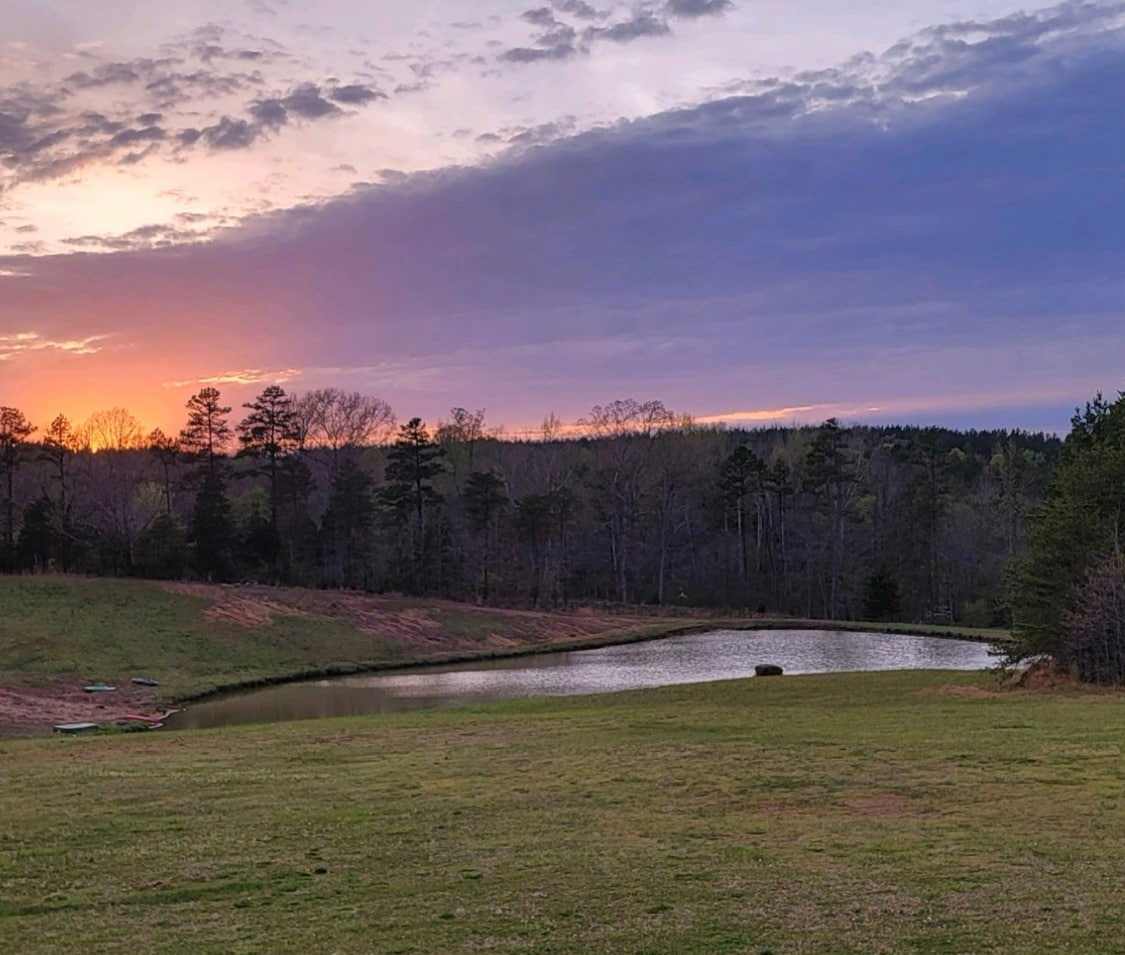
(194,639)
(96,629)
(893,812)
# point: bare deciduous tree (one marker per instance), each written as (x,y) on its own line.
(342,421)
(114,429)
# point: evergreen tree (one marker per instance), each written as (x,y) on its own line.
(15,429)
(347,528)
(204,438)
(270,432)
(211,529)
(298,532)
(161,550)
(831,473)
(57,450)
(36,547)
(740,478)
(412,464)
(207,432)
(542,522)
(881,598)
(485,498)
(255,536)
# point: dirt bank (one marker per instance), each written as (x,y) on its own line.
(32,711)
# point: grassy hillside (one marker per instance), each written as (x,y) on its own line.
(109,629)
(878,813)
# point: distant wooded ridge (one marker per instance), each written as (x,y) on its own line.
(327,490)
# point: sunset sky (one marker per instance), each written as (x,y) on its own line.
(755,212)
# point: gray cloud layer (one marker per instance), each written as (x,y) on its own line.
(566,37)
(693,9)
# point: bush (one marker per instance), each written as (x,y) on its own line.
(881,598)
(984,613)
(1093,641)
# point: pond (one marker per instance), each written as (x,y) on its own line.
(692,658)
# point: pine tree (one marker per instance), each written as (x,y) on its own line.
(270,432)
(881,598)
(204,438)
(347,528)
(485,498)
(831,473)
(211,529)
(740,477)
(207,432)
(15,429)
(412,464)
(57,450)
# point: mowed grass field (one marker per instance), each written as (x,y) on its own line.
(893,812)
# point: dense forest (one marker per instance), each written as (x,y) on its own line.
(326,489)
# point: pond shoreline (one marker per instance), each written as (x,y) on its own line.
(31,710)
(658,632)
(699,655)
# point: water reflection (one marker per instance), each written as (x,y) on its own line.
(695,658)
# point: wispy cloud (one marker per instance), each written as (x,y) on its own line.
(247,376)
(764,415)
(19,343)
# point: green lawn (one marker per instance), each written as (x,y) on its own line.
(894,812)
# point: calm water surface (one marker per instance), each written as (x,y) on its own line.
(696,658)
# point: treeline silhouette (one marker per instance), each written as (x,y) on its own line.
(326,489)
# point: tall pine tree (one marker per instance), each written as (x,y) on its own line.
(412,464)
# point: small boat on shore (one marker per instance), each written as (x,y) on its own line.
(99,688)
(144,681)
(71,729)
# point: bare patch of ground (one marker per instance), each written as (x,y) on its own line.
(1047,674)
(32,711)
(965,692)
(421,627)
(1042,674)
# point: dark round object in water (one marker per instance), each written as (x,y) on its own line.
(767,669)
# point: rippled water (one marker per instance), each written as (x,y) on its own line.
(696,658)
